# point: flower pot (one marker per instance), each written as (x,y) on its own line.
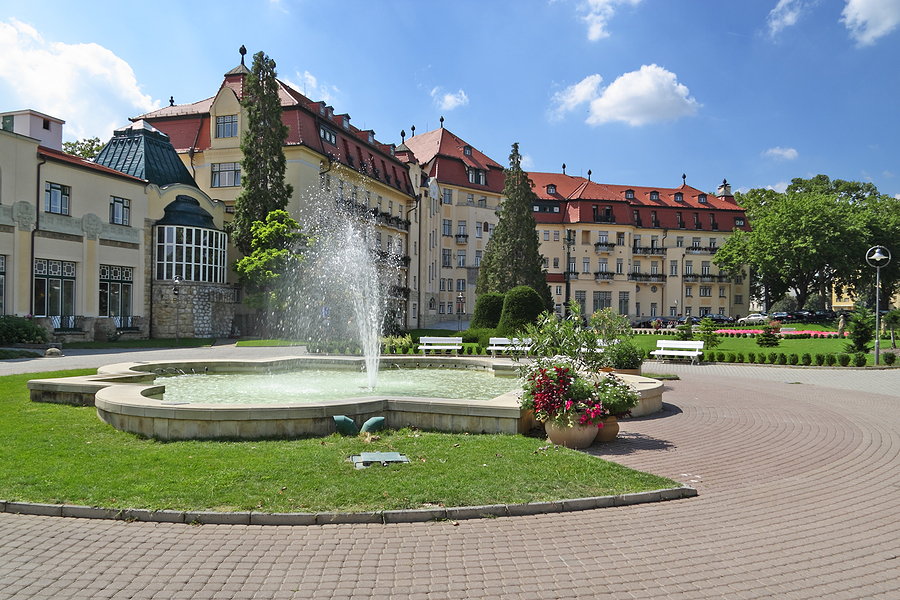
(609,431)
(578,436)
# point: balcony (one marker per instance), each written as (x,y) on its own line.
(570,275)
(598,218)
(690,277)
(682,225)
(700,250)
(602,247)
(656,223)
(708,278)
(714,226)
(462,238)
(638,223)
(647,277)
(604,276)
(698,226)
(652,251)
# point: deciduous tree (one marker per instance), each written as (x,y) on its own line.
(87,148)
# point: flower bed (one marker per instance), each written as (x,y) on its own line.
(814,334)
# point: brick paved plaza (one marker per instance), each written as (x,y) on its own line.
(797,469)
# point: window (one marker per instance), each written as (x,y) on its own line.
(653,309)
(558,308)
(447,225)
(54,289)
(478,229)
(119,211)
(738,222)
(448,196)
(705,291)
(460,285)
(581,299)
(673,311)
(688,267)
(470,199)
(636,267)
(673,268)
(654,195)
(445,257)
(556,263)
(115,291)
(572,265)
(194,253)
(629,195)
(619,266)
(679,197)
(460,258)
(586,265)
(688,290)
(229,175)
(721,292)
(679,242)
(559,290)
(227,126)
(415,310)
(695,242)
(546,235)
(654,268)
(482,202)
(546,263)
(704,267)
(461,228)
(555,236)
(623,303)
(738,299)
(478,259)
(602,265)
(56,198)
(701,198)
(620,238)
(443,285)
(443,308)
(704,311)
(738,280)
(602,300)
(432,304)
(476,176)
(602,237)
(467,150)
(328,135)
(712,242)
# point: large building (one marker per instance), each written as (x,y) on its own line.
(79,240)
(324,153)
(646,252)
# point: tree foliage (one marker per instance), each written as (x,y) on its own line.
(263,162)
(488,310)
(87,148)
(512,256)
(276,253)
(707,333)
(521,306)
(814,237)
(861,330)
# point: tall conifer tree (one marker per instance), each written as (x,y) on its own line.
(263,165)
(512,256)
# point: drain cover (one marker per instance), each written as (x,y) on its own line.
(364,459)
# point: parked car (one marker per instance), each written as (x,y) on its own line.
(753,318)
(780,316)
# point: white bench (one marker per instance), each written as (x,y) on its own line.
(514,345)
(677,349)
(440,344)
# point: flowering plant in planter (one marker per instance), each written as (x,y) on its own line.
(558,391)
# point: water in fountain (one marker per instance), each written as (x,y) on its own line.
(341,292)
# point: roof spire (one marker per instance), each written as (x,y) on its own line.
(402,136)
(413,130)
(564,168)
(243,51)
(683,179)
(589,174)
(171,100)
(442,122)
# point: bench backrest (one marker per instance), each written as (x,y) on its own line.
(679,344)
(500,341)
(440,340)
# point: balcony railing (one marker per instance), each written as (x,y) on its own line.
(648,250)
(604,218)
(656,223)
(604,276)
(700,250)
(64,323)
(604,247)
(690,277)
(571,275)
(462,238)
(651,277)
(125,322)
(708,278)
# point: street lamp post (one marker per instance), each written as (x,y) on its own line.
(460,305)
(569,244)
(878,256)
(177,281)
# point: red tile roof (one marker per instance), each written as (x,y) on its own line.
(449,162)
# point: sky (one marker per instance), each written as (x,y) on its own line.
(638,92)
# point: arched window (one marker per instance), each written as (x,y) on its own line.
(432,304)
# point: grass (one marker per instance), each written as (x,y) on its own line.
(153,343)
(64,454)
(266,343)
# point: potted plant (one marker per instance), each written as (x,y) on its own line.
(626,357)
(617,398)
(571,402)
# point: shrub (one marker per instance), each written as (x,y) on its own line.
(521,306)
(830,360)
(21,330)
(773,358)
(685,332)
(862,330)
(488,310)
(793,359)
(751,357)
(888,358)
(768,338)
(740,357)
(843,359)
(478,336)
(720,356)
(820,359)
(730,357)
(782,358)
(859,359)
(806,359)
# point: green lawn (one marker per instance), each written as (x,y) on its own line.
(64,454)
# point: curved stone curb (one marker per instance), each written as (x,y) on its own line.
(458,513)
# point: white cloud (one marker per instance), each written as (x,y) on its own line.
(527,162)
(599,13)
(649,95)
(785,14)
(869,20)
(779,187)
(307,84)
(780,153)
(897,196)
(93,90)
(449,101)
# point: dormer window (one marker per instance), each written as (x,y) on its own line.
(467,150)
(328,135)
(629,194)
(371,137)
(476,176)
(701,198)
(322,108)
(679,197)
(551,189)
(654,195)
(346,122)
(738,222)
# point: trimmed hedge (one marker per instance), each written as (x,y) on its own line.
(521,306)
(488,311)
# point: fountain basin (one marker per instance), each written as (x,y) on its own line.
(127,398)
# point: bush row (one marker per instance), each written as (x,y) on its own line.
(780,358)
(786,336)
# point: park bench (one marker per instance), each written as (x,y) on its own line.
(678,349)
(514,345)
(439,344)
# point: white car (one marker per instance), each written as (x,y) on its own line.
(754,318)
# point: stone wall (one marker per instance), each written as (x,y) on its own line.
(201,310)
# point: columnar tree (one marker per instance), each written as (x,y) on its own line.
(512,256)
(263,164)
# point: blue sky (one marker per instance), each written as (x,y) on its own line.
(637,91)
